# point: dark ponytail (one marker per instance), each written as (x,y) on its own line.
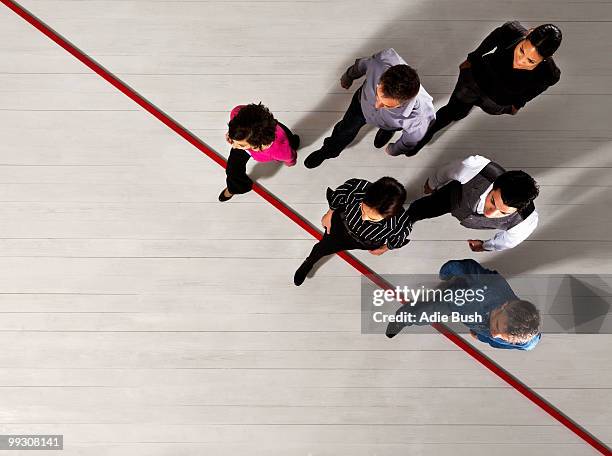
(546,39)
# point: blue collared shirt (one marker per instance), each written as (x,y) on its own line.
(498,293)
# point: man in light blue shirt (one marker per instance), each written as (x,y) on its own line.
(508,322)
(391,98)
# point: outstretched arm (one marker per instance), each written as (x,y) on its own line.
(359,68)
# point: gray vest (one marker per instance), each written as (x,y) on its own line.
(471,192)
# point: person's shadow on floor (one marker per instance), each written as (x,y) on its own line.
(265,170)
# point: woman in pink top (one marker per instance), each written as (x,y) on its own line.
(254,132)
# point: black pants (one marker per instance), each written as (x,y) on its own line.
(237,180)
(465,96)
(336,241)
(346,130)
(440,202)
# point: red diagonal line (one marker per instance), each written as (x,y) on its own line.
(265,194)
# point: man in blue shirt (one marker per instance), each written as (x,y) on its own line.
(507,322)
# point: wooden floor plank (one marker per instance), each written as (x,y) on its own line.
(140,316)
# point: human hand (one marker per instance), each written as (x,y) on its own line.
(345,81)
(465,64)
(380,250)
(476,245)
(326,221)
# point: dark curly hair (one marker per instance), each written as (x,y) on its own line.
(517,188)
(255,124)
(523,319)
(386,196)
(546,39)
(400,82)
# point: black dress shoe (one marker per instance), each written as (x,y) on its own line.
(294,142)
(383,137)
(415,150)
(315,159)
(393,329)
(224,198)
(302,272)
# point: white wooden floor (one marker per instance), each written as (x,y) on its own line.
(142,317)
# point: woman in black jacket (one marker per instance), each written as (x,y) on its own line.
(511,66)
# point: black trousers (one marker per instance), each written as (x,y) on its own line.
(440,202)
(465,96)
(237,180)
(337,240)
(346,130)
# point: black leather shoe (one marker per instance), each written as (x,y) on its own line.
(415,150)
(302,272)
(224,198)
(383,137)
(393,330)
(294,142)
(315,159)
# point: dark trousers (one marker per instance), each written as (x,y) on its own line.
(293,138)
(440,202)
(465,96)
(237,180)
(346,130)
(337,240)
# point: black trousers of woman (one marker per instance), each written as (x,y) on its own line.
(237,179)
(465,96)
(337,240)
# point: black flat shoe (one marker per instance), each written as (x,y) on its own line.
(383,137)
(301,273)
(315,159)
(393,330)
(224,198)
(415,150)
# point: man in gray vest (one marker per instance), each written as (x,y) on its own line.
(484,196)
(391,98)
